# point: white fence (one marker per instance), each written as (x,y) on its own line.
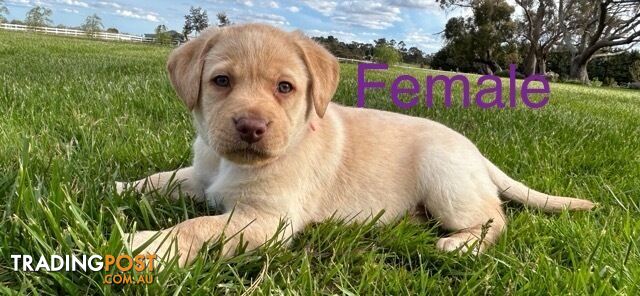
(77,33)
(355,61)
(134,38)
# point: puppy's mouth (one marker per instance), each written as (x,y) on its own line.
(246,154)
(229,146)
(250,152)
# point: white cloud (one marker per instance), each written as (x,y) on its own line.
(70,10)
(419,36)
(246,3)
(20,3)
(149,16)
(293,9)
(359,13)
(367,15)
(324,7)
(375,16)
(334,33)
(251,17)
(109,4)
(424,4)
(74,3)
(130,11)
(423,40)
(274,4)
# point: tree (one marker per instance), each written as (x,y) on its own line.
(381,42)
(613,66)
(187,29)
(223,20)
(39,17)
(540,28)
(92,25)
(486,37)
(401,46)
(3,11)
(200,19)
(353,50)
(414,56)
(113,30)
(386,54)
(599,26)
(197,20)
(367,51)
(162,36)
(445,59)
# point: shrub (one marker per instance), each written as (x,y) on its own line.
(505,73)
(595,82)
(387,55)
(502,73)
(552,76)
(609,81)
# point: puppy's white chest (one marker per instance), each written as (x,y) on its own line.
(220,179)
(227,186)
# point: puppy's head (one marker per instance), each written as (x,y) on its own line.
(253,88)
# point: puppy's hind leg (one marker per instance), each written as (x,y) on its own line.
(476,225)
(460,195)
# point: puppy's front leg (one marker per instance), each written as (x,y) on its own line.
(173,182)
(251,226)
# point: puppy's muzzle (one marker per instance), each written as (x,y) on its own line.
(250,129)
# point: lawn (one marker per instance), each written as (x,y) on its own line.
(78,114)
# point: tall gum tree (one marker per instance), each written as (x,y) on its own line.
(541,29)
(594,28)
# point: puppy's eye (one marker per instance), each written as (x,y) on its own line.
(221,80)
(285,87)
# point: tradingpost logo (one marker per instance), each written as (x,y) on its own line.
(123,264)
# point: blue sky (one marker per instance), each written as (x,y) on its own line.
(414,21)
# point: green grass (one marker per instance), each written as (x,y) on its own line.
(78,114)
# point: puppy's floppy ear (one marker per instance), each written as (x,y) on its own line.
(185,66)
(323,69)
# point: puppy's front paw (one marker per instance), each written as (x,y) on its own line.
(163,244)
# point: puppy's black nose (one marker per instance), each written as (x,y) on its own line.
(250,129)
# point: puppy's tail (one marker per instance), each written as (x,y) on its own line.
(516,191)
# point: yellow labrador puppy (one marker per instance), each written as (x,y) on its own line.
(270,147)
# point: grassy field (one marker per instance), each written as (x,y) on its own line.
(78,114)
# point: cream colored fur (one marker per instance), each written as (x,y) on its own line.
(318,159)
